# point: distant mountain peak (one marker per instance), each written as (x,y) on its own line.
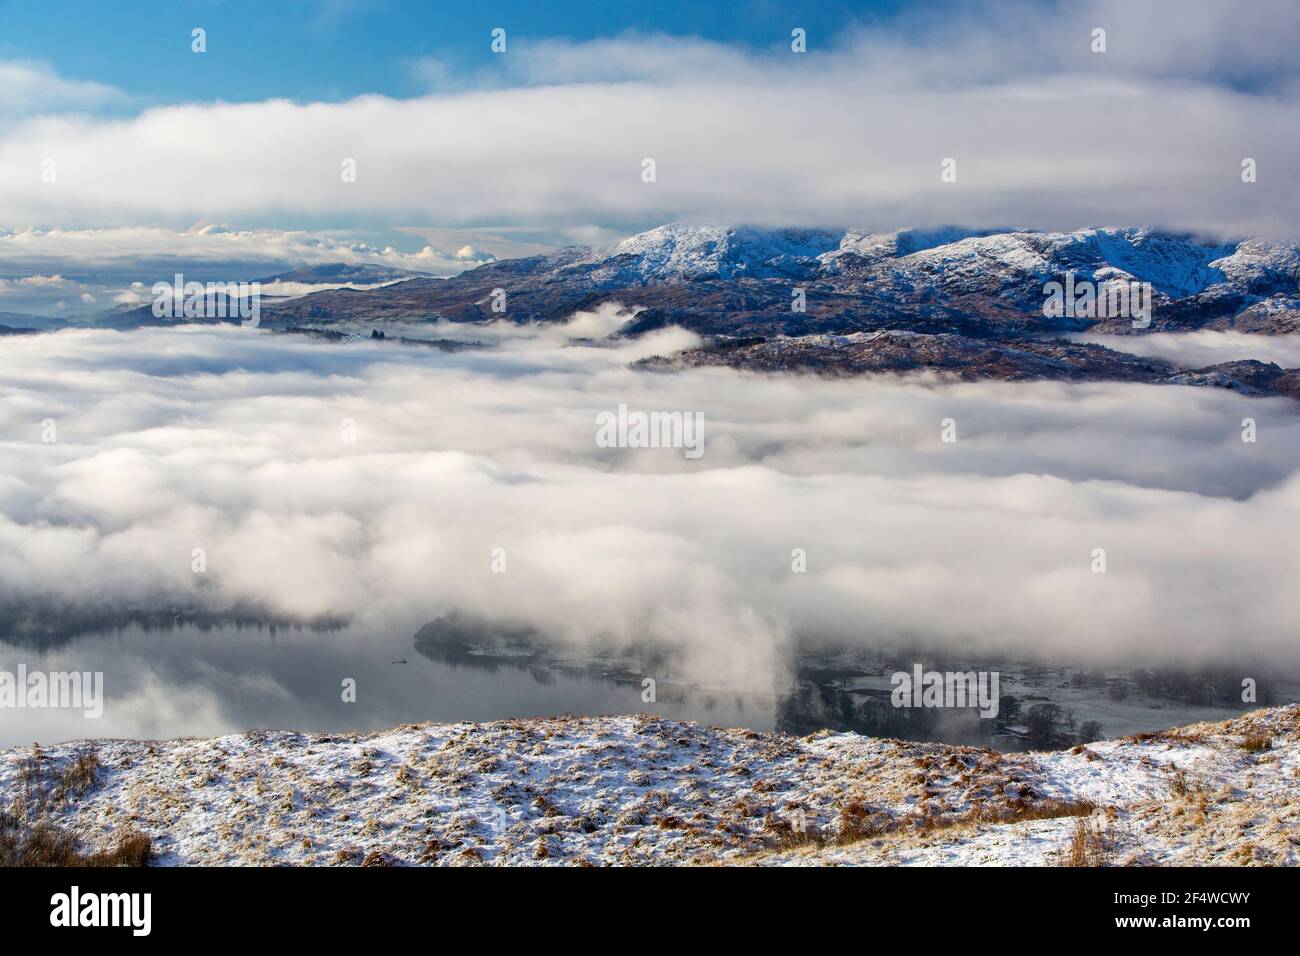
(739,280)
(356,273)
(684,250)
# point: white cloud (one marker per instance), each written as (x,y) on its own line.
(131,249)
(230,440)
(27,283)
(1045,133)
(108,263)
(1199,349)
(31,87)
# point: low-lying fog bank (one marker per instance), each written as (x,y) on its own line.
(211,469)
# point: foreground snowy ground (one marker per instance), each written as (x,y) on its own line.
(636,790)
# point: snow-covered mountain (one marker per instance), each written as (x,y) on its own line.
(1175,266)
(343,273)
(680,252)
(740,280)
(978,261)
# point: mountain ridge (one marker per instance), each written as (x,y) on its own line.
(741,280)
(970,302)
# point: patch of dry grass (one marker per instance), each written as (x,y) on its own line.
(81,774)
(43,844)
(1256,743)
(1089,844)
(1047,809)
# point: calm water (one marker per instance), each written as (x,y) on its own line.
(194,681)
(191,681)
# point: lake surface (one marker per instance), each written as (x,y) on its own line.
(189,680)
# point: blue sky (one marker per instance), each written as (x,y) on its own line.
(335,49)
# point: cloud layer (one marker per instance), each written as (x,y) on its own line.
(64,272)
(28,88)
(233,441)
(1045,133)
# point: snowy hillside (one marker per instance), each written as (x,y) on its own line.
(1175,265)
(680,251)
(738,281)
(638,790)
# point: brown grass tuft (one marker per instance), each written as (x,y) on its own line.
(81,774)
(857,821)
(1089,844)
(1017,810)
(44,844)
(1255,743)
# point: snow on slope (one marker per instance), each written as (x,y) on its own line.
(680,251)
(892,245)
(638,790)
(1261,261)
(1175,265)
